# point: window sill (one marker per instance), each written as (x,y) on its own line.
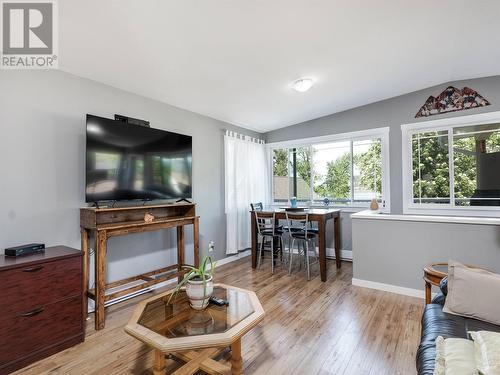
(472,212)
(368,214)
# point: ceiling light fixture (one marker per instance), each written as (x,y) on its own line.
(303,84)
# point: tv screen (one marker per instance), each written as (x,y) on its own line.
(126,162)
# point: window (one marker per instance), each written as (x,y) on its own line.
(452,166)
(348,169)
(291,173)
(281,179)
(431,172)
(367,170)
(332,171)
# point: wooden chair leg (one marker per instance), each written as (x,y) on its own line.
(291,257)
(272,255)
(260,252)
(307,260)
(428,294)
(159,365)
(236,360)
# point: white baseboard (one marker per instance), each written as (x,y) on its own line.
(389,288)
(344,254)
(232,258)
(330,254)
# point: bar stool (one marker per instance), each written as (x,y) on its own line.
(260,207)
(303,237)
(266,229)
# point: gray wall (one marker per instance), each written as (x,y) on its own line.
(392,113)
(42,149)
(395,252)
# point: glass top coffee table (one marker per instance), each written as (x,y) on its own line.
(196,337)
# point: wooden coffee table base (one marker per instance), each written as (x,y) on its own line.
(202,360)
(197,338)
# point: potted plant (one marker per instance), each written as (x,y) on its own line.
(199,283)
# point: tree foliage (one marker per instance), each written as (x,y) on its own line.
(304,165)
(430,166)
(464,167)
(337,180)
(370,166)
(280,162)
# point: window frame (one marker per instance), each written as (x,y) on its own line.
(447,124)
(382,133)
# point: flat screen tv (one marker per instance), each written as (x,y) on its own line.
(126,162)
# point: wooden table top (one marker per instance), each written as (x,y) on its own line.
(440,269)
(436,269)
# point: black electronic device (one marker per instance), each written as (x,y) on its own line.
(127,161)
(218,301)
(32,248)
(131,120)
(183,200)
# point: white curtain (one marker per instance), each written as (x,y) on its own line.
(246,181)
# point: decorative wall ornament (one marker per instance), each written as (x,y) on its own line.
(450,100)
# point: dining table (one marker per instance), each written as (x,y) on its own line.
(322,216)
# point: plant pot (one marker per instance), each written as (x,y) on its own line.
(197,293)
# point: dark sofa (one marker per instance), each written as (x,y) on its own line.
(437,323)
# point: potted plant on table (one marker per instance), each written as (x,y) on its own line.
(199,282)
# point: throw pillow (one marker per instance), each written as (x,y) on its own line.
(455,356)
(473,293)
(487,346)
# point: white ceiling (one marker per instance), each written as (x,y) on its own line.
(234,60)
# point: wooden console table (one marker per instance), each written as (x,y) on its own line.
(103,223)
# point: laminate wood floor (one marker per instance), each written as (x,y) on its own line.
(310,328)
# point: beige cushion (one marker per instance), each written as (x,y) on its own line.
(473,293)
(439,365)
(455,357)
(487,346)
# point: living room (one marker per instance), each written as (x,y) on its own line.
(229,187)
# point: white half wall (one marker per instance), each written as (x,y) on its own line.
(393,252)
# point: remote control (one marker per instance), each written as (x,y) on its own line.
(218,301)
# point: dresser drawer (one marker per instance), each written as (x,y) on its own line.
(36,329)
(23,288)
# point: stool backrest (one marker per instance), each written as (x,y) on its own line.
(294,218)
(265,221)
(257,206)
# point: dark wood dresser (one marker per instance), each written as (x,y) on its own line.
(41,306)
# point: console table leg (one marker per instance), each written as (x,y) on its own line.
(180,250)
(100,278)
(236,361)
(159,366)
(85,265)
